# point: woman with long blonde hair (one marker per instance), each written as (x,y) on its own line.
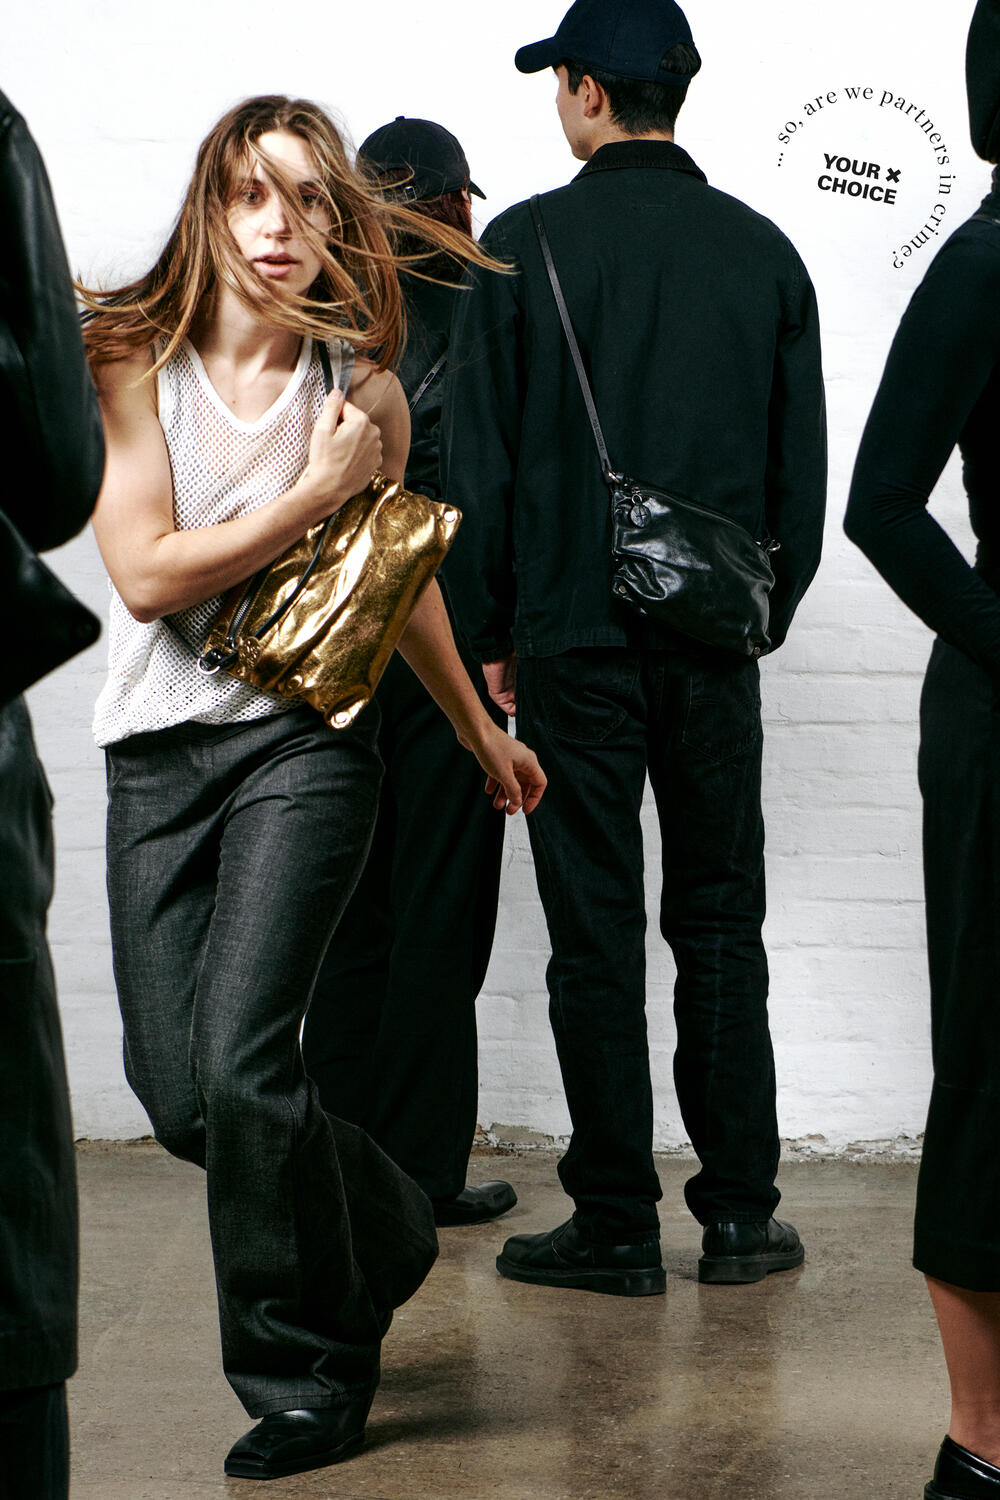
(237,820)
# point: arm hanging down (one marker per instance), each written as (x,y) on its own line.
(513,776)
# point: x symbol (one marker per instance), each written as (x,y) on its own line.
(892,174)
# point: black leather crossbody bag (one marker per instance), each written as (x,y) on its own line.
(678,563)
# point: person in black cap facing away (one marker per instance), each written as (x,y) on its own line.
(941,386)
(698,326)
(390,1035)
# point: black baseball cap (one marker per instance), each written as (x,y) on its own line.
(429,152)
(625,37)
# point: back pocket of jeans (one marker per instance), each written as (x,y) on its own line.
(723,711)
(585,696)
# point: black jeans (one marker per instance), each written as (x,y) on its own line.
(599,719)
(231,853)
(957,1230)
(390,1036)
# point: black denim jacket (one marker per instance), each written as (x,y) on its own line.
(698,323)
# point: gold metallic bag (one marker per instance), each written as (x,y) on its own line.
(321,622)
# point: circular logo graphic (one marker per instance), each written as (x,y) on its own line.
(874,164)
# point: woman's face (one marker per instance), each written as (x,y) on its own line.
(260,223)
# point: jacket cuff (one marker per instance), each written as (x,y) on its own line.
(493,649)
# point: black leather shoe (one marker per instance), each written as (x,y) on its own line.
(290,1442)
(564,1258)
(748,1252)
(474,1205)
(960,1475)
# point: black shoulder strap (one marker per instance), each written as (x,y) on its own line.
(324,360)
(428,380)
(574,347)
(432,373)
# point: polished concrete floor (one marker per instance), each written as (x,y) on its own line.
(819,1384)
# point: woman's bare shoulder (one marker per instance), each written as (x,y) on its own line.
(122,383)
(373,390)
(380,396)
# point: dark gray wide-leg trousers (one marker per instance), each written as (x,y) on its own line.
(232,851)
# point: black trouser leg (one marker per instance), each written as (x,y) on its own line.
(957,1229)
(704,767)
(38,1205)
(390,1037)
(34,1444)
(583,714)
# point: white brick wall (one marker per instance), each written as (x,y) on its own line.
(118,101)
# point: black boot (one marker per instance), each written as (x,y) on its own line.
(564,1258)
(748,1252)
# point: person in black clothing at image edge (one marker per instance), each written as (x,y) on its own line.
(941,386)
(698,323)
(49,420)
(390,1034)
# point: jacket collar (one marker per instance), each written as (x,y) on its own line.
(641,154)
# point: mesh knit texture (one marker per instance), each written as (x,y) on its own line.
(222,468)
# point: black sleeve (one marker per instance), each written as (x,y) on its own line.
(422,465)
(429,307)
(945,351)
(795,485)
(49,415)
(480,433)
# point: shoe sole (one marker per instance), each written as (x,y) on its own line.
(245,1469)
(740,1269)
(651,1283)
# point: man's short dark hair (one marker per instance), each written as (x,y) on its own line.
(636,107)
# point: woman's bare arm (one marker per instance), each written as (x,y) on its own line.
(513,776)
(157,569)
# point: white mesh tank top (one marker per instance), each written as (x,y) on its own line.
(222,468)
